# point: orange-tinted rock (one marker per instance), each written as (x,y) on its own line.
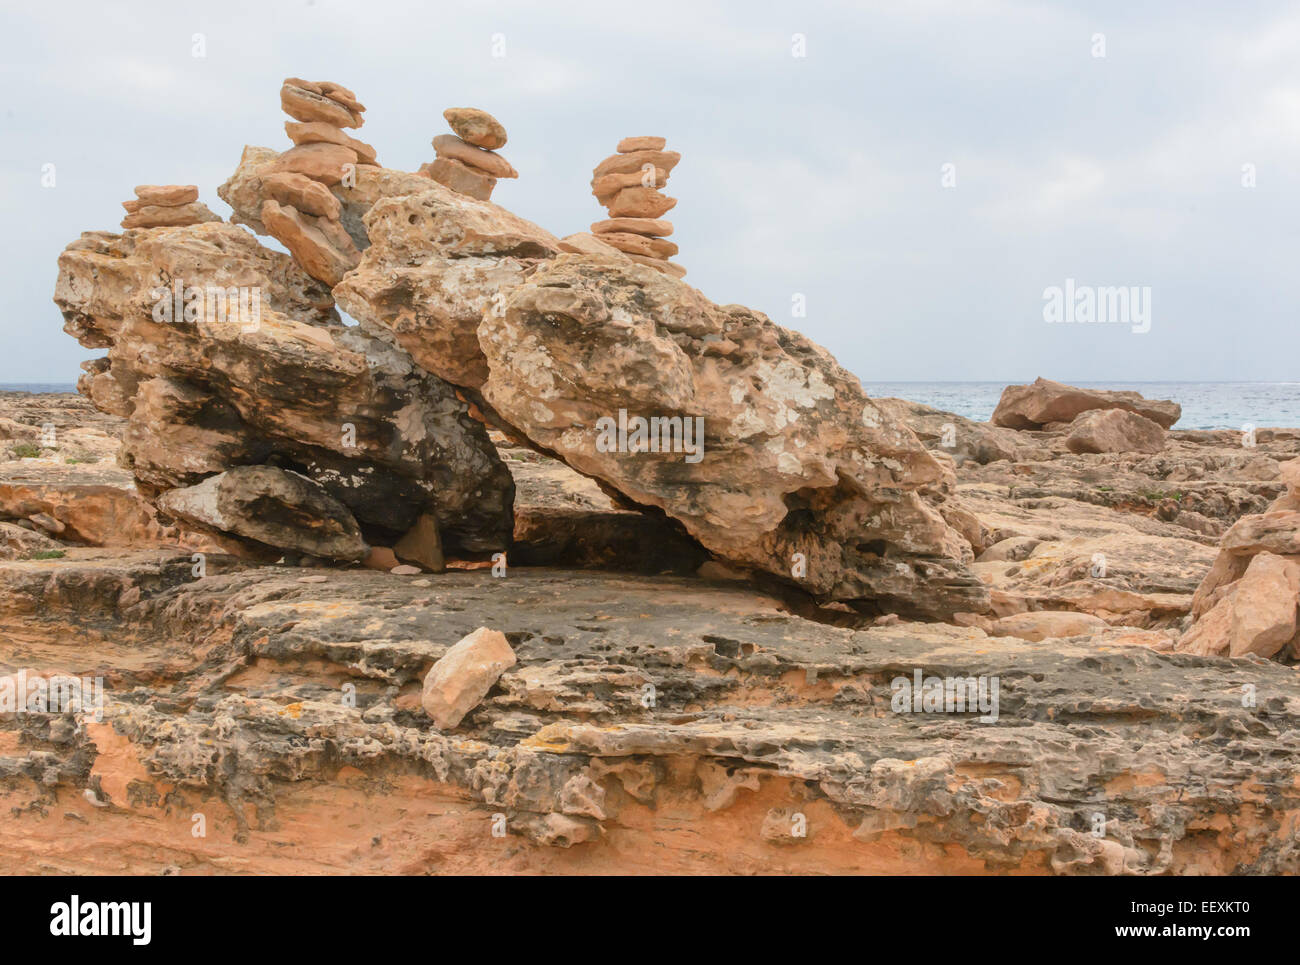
(380,558)
(167,194)
(422,544)
(1042,401)
(635,162)
(641,226)
(1114,430)
(308,196)
(170,216)
(464,674)
(631,144)
(321,161)
(604,188)
(1264,606)
(476,127)
(640,203)
(461,178)
(451,146)
(305,105)
(319,245)
(583,243)
(640,244)
(341,95)
(318,132)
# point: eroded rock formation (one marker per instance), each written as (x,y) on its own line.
(267,374)
(794,471)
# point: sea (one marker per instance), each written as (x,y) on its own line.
(1206,405)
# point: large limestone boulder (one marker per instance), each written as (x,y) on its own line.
(1043,401)
(272,507)
(1114,430)
(439,261)
(287,384)
(795,472)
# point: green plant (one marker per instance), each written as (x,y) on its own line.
(25,450)
(48,555)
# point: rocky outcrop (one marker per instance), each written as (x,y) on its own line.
(1043,402)
(1247,603)
(439,262)
(762,447)
(627,184)
(266,374)
(1114,430)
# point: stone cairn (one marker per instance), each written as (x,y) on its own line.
(166,206)
(467,161)
(627,184)
(302,212)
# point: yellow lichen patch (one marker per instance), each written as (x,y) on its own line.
(553,738)
(293,710)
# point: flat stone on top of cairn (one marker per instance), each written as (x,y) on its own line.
(301,211)
(467,161)
(627,183)
(166,206)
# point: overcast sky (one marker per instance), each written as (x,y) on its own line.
(819,175)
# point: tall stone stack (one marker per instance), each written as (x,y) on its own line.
(302,212)
(467,161)
(166,206)
(627,184)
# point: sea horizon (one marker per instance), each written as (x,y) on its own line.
(1207,404)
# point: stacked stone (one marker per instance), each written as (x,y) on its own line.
(166,206)
(467,161)
(627,184)
(301,211)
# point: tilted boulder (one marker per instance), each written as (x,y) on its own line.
(1042,401)
(272,507)
(797,472)
(273,377)
(437,262)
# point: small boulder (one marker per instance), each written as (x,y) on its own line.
(1264,607)
(1114,430)
(463,676)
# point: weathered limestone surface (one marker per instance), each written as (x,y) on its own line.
(757,715)
(796,459)
(291,387)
